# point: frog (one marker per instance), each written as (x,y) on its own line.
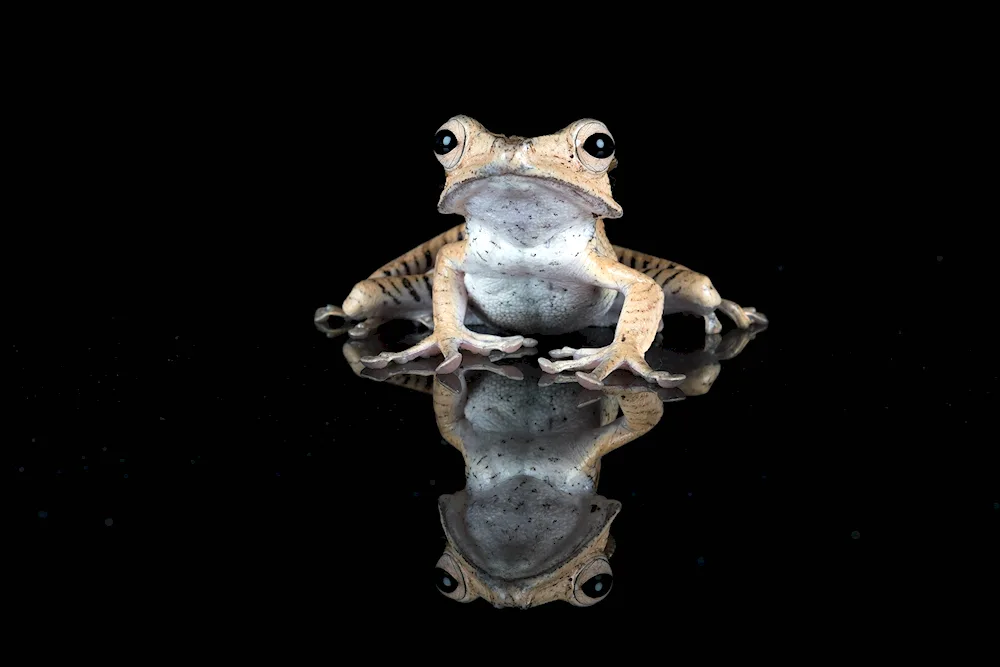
(531,258)
(530,527)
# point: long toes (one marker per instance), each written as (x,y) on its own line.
(359,331)
(588,380)
(322,314)
(497,355)
(576,353)
(362,329)
(482,343)
(546,365)
(670,395)
(483,364)
(529,342)
(580,364)
(757,318)
(735,313)
(380,361)
(555,378)
(509,372)
(450,364)
(510,344)
(331,333)
(666,379)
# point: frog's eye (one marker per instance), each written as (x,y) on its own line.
(449,143)
(594,146)
(449,579)
(593,582)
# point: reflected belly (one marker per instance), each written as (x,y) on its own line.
(537,306)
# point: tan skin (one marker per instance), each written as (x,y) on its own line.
(532,258)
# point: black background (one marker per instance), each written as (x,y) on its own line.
(255,188)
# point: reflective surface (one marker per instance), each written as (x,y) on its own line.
(208,450)
(529,526)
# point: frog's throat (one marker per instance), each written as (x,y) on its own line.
(500,193)
(554,537)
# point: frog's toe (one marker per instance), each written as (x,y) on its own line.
(450,364)
(549,379)
(574,353)
(424,348)
(363,329)
(712,324)
(321,319)
(479,363)
(588,381)
(484,343)
(565,365)
(666,379)
(546,365)
(497,355)
(742,317)
(378,361)
(326,312)
(637,364)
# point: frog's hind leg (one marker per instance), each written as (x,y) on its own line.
(400,289)
(375,301)
(687,291)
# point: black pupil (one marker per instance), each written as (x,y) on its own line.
(444,581)
(599,145)
(444,142)
(598,586)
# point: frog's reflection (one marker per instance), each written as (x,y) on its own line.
(529,527)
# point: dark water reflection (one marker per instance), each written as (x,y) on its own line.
(530,526)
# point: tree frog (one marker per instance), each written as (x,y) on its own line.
(531,258)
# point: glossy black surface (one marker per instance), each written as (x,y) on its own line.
(845,454)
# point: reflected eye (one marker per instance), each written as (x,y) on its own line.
(597,586)
(595,146)
(444,581)
(449,143)
(593,582)
(448,579)
(599,145)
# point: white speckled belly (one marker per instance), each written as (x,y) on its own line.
(530,305)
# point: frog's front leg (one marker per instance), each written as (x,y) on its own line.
(450,334)
(641,313)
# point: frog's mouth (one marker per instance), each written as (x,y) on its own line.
(526,200)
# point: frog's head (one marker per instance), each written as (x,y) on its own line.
(526,552)
(508,179)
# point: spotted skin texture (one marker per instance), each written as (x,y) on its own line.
(529,527)
(531,258)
